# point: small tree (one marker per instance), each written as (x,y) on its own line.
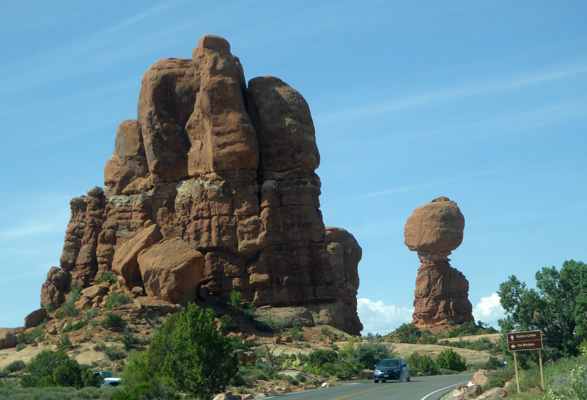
(369,354)
(422,363)
(450,359)
(55,368)
(556,307)
(190,351)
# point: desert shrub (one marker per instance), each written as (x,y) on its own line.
(576,387)
(236,299)
(422,363)
(14,366)
(189,351)
(266,325)
(407,333)
(64,342)
(55,368)
(369,354)
(493,363)
(115,299)
(319,357)
(50,307)
(91,314)
(480,345)
(500,377)
(154,389)
(451,360)
(129,340)
(112,321)
(108,276)
(295,333)
(30,337)
(112,352)
(69,306)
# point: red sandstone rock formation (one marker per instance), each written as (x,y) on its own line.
(434,230)
(212,189)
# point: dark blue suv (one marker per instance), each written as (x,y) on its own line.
(392,368)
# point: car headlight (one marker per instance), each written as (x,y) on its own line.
(377,371)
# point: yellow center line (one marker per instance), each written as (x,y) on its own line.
(364,391)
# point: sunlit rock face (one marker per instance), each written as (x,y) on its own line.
(223,172)
(434,230)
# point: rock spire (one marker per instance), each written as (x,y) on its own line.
(434,230)
(212,189)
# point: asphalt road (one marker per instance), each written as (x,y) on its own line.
(420,388)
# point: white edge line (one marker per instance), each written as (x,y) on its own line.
(430,394)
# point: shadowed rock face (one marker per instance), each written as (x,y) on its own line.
(434,230)
(228,171)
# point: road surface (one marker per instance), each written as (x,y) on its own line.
(420,388)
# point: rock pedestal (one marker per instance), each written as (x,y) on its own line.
(222,172)
(434,230)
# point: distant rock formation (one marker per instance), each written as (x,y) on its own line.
(212,189)
(434,230)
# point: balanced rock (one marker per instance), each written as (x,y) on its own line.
(212,189)
(434,230)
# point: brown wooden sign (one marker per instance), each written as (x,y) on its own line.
(522,341)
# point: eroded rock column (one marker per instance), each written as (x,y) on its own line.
(434,230)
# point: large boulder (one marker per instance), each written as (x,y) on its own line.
(172,270)
(125,263)
(56,285)
(436,227)
(8,337)
(35,318)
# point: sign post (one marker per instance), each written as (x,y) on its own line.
(524,341)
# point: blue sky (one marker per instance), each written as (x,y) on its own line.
(484,102)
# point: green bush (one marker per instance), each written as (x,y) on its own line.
(295,333)
(576,387)
(115,299)
(493,363)
(407,333)
(319,357)
(55,368)
(69,306)
(422,364)
(500,377)
(129,340)
(112,352)
(451,360)
(189,351)
(108,276)
(31,337)
(64,342)
(91,314)
(112,321)
(369,354)
(14,366)
(236,299)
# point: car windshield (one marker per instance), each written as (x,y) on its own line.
(390,363)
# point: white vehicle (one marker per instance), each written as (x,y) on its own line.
(108,379)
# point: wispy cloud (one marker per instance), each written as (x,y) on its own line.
(471,90)
(403,189)
(31,229)
(378,317)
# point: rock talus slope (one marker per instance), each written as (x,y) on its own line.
(213,189)
(434,230)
